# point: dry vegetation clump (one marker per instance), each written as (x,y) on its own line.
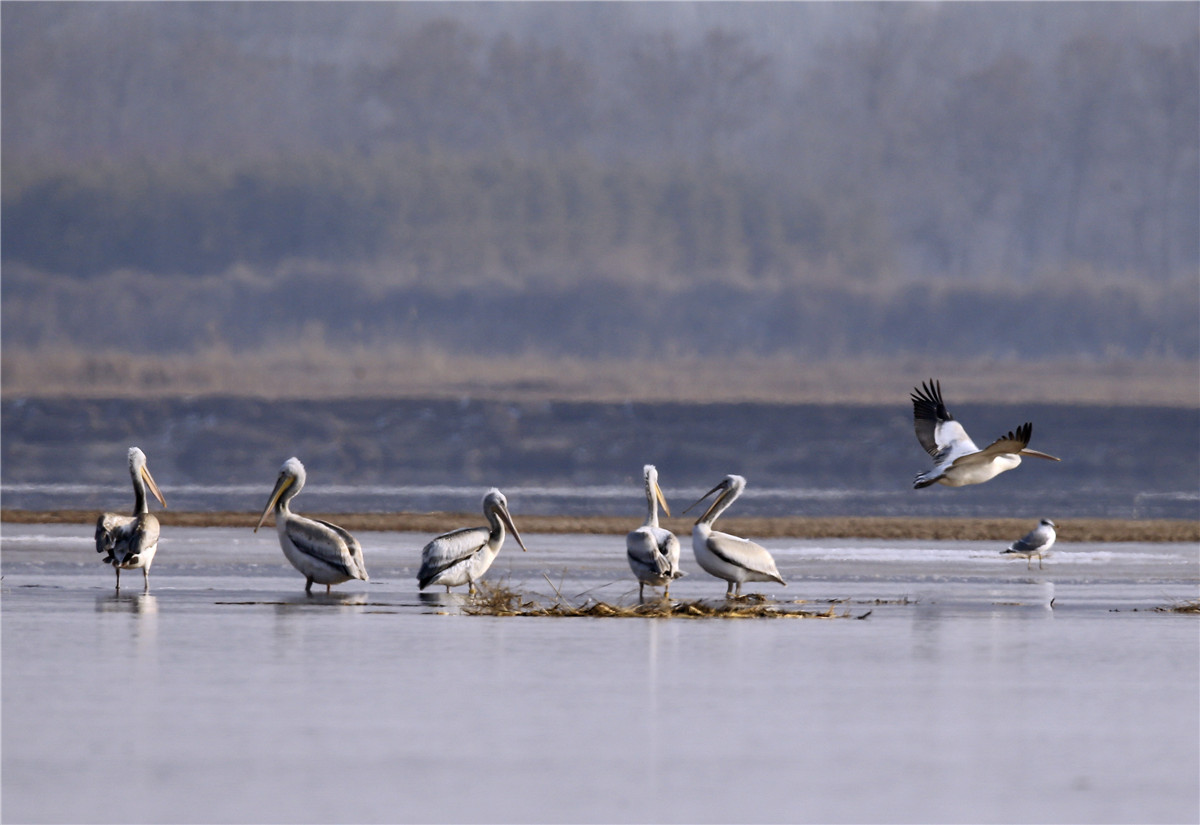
(501,600)
(1192,606)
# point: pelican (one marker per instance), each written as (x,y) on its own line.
(653,552)
(727,557)
(956,459)
(1037,542)
(462,556)
(323,552)
(130,542)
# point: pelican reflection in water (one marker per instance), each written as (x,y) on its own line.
(462,556)
(653,552)
(323,552)
(956,459)
(130,542)
(727,557)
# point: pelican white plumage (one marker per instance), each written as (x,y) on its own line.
(323,552)
(727,557)
(956,459)
(130,542)
(653,551)
(462,556)
(1037,542)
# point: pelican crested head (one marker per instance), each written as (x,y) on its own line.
(653,491)
(494,503)
(291,478)
(730,488)
(137,469)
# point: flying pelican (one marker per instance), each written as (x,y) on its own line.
(462,556)
(956,459)
(130,542)
(727,557)
(1037,542)
(653,552)
(323,552)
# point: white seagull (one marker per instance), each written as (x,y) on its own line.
(1037,542)
(323,552)
(956,459)
(130,542)
(462,556)
(727,557)
(653,552)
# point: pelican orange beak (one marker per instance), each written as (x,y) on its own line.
(153,487)
(282,484)
(724,483)
(658,493)
(502,511)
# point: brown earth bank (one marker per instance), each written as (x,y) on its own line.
(865,527)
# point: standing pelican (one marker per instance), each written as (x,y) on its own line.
(956,459)
(727,557)
(462,556)
(323,552)
(653,552)
(1037,542)
(130,542)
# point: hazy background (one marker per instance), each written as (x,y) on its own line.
(235,184)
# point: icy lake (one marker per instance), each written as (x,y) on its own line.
(954,686)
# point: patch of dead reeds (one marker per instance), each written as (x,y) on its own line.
(497,599)
(1192,606)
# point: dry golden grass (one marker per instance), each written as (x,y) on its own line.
(866,527)
(316,371)
(500,600)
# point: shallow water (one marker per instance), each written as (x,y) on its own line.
(972,690)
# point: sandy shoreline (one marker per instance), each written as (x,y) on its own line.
(866,527)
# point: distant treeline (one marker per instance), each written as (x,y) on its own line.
(455,219)
(311,311)
(472,141)
(820,179)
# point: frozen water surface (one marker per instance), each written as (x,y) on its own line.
(227,695)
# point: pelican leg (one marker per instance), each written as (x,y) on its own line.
(327,589)
(308,586)
(470,587)
(118,577)
(146,579)
(641,591)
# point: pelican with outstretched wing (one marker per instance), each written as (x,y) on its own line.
(652,551)
(1037,542)
(130,542)
(727,557)
(323,552)
(956,460)
(462,556)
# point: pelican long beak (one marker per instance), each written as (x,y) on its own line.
(1037,454)
(508,522)
(149,479)
(713,506)
(282,484)
(658,493)
(706,495)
